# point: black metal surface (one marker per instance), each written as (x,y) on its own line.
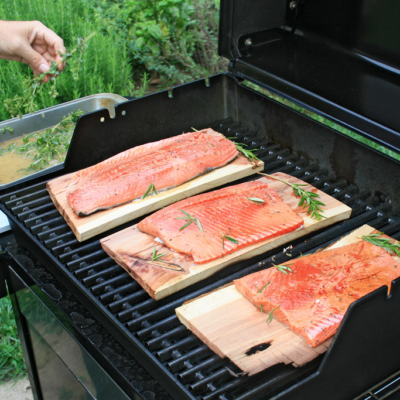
(149,330)
(49,293)
(341,61)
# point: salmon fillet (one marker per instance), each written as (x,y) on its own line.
(313,299)
(165,164)
(226,212)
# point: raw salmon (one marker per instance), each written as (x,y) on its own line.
(313,299)
(224,217)
(163,164)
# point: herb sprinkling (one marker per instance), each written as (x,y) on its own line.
(231,239)
(271,315)
(249,154)
(189,220)
(34,86)
(256,200)
(284,268)
(261,290)
(384,243)
(155,256)
(307,199)
(47,145)
(151,189)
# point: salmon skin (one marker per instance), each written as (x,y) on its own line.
(225,216)
(164,164)
(313,299)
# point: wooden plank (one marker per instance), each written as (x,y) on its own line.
(133,249)
(242,327)
(86,227)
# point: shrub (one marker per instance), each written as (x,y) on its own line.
(173,39)
(102,65)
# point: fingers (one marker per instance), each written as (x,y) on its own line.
(33,43)
(35,60)
(55,47)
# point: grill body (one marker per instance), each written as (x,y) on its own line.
(148,333)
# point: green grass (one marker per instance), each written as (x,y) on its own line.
(99,65)
(12,364)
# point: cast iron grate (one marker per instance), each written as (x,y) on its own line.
(184,358)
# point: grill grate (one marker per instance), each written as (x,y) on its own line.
(201,373)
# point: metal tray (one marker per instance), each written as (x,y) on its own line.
(48,117)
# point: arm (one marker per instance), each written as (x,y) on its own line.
(32,43)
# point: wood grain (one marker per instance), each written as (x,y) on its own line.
(242,327)
(86,227)
(132,249)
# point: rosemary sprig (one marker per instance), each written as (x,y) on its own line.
(49,144)
(151,189)
(256,200)
(384,243)
(155,256)
(284,268)
(307,199)
(249,154)
(33,86)
(189,220)
(261,290)
(6,128)
(231,239)
(271,314)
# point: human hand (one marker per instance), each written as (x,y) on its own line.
(32,43)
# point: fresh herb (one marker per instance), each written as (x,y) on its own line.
(271,314)
(34,85)
(385,243)
(261,290)
(261,308)
(231,239)
(284,268)
(151,189)
(189,220)
(53,143)
(249,154)
(155,256)
(307,199)
(256,200)
(6,128)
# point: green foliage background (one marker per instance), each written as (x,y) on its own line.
(12,364)
(172,41)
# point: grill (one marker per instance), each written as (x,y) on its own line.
(123,327)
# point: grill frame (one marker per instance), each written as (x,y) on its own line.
(247,105)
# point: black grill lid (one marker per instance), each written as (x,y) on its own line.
(340,59)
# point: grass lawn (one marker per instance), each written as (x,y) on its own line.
(12,363)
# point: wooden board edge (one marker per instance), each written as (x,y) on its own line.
(322,348)
(202,338)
